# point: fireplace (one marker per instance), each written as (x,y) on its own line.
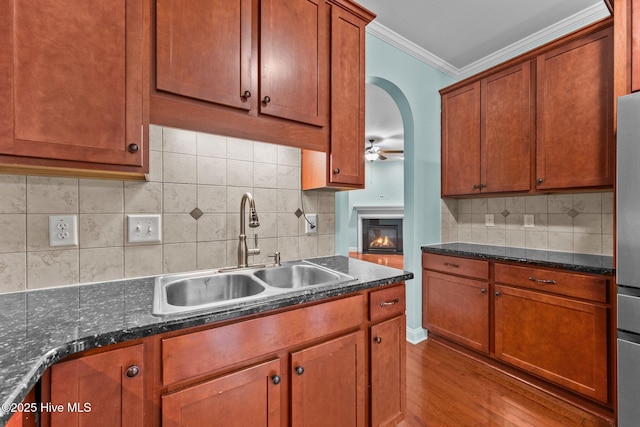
(382,235)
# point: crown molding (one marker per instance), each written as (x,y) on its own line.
(574,22)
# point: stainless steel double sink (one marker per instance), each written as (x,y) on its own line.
(182,293)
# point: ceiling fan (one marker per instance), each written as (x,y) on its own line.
(372,152)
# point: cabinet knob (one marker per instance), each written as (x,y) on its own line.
(476,186)
(275,379)
(336,171)
(266,100)
(246,94)
(378,340)
(483,185)
(498,294)
(133,148)
(299,370)
(483,290)
(539,181)
(133,371)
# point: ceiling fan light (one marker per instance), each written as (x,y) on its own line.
(371,156)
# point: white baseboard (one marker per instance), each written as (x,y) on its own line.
(416,335)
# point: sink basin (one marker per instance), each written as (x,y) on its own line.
(300,275)
(205,290)
(190,292)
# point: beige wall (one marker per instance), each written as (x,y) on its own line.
(188,170)
(581,223)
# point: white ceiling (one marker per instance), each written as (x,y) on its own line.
(463,37)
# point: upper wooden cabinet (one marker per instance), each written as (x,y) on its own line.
(72,86)
(575,142)
(559,96)
(342,167)
(208,50)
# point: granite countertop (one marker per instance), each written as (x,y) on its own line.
(583,263)
(40,327)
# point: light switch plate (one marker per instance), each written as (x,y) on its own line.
(144,228)
(311,219)
(489,220)
(63,230)
(528,221)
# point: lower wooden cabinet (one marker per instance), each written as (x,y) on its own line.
(553,324)
(104,389)
(225,400)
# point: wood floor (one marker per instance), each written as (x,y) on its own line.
(448,389)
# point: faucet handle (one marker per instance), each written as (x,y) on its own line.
(256,250)
(276,258)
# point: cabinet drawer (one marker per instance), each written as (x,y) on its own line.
(455,265)
(387,303)
(207,351)
(592,288)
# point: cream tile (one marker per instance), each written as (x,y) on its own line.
(212,227)
(155,167)
(497,205)
(289,177)
(266,199)
(479,235)
(142,260)
(240,173)
(269,224)
(514,222)
(464,206)
(560,223)
(478,220)
(13,272)
(560,241)
(289,156)
(267,247)
(101,264)
(14,236)
(326,245)
(212,199)
(52,195)
(155,138)
(588,224)
(179,198)
(101,231)
(234,196)
(286,226)
(515,238)
(607,245)
(179,228)
(497,237)
(179,141)
(479,206)
(239,149)
(326,202)
(560,203)
(233,227)
(588,203)
(587,243)
(211,145)
(265,153)
(265,175)
(308,246)
(13,194)
(450,205)
(464,220)
(37,232)
(289,247)
(143,197)
(179,168)
(326,224)
(464,234)
(288,201)
(52,268)
(212,171)
(607,224)
(180,257)
(515,205)
(101,196)
(536,204)
(608,202)
(212,255)
(536,239)
(541,222)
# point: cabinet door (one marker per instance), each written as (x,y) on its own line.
(456,308)
(294,60)
(346,164)
(100,381)
(388,387)
(506,130)
(204,50)
(72,86)
(575,143)
(560,339)
(250,397)
(328,383)
(461,141)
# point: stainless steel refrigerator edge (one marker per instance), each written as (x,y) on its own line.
(628,259)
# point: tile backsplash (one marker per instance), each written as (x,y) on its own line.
(190,171)
(580,223)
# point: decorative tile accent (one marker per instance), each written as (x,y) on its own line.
(298,213)
(196,213)
(573,213)
(505,213)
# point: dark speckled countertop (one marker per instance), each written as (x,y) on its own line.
(40,327)
(583,263)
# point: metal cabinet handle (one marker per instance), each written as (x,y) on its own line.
(386,303)
(299,370)
(545,281)
(133,371)
(483,291)
(246,94)
(448,264)
(275,379)
(266,100)
(378,340)
(133,148)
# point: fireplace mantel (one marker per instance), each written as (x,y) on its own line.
(377,212)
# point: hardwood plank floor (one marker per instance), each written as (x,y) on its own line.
(448,389)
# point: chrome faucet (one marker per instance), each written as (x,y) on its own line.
(243,251)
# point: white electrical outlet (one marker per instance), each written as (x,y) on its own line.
(528,221)
(489,220)
(144,228)
(311,224)
(63,230)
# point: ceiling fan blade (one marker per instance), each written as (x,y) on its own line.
(392,151)
(381,156)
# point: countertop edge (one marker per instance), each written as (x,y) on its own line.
(196,319)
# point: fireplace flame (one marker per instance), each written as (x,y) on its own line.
(382,242)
